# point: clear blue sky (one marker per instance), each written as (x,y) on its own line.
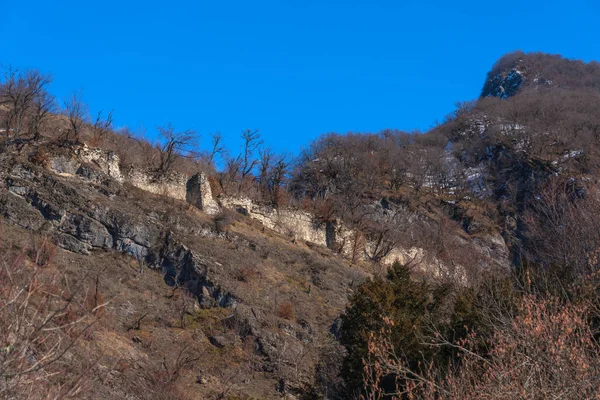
(293,69)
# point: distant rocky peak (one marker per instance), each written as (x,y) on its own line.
(506,76)
(517,71)
(504,84)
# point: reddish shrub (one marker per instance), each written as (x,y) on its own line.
(247,273)
(44,253)
(286,311)
(39,157)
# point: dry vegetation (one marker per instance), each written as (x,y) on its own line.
(524,167)
(547,351)
(117,330)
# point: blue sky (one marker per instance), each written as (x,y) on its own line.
(293,69)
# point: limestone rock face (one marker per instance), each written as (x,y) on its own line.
(84,209)
(106,161)
(102,167)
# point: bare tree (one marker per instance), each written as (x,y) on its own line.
(272,171)
(217,147)
(174,145)
(279,172)
(101,127)
(387,232)
(266,157)
(44,104)
(397,173)
(19,93)
(76,112)
(231,172)
(252,141)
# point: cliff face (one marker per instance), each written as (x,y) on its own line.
(504,84)
(295,224)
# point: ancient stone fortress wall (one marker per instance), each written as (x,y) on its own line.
(195,190)
(199,194)
(303,226)
(173,186)
(297,224)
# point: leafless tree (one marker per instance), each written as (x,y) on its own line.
(217,147)
(231,173)
(174,145)
(76,112)
(272,171)
(238,169)
(398,169)
(252,141)
(101,127)
(388,232)
(266,157)
(19,92)
(44,104)
(279,173)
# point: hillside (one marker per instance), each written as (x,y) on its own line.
(134,269)
(517,72)
(246,304)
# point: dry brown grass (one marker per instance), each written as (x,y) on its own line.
(43,319)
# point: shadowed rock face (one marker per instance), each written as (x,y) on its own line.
(504,84)
(84,209)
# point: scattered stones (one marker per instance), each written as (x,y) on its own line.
(221,341)
(136,339)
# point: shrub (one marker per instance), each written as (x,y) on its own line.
(42,254)
(224,220)
(42,319)
(413,310)
(286,311)
(247,273)
(40,158)
(546,351)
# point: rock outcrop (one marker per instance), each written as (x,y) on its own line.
(504,84)
(173,186)
(83,209)
(96,165)
(302,226)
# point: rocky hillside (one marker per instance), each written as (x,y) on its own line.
(519,71)
(162,277)
(251,306)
